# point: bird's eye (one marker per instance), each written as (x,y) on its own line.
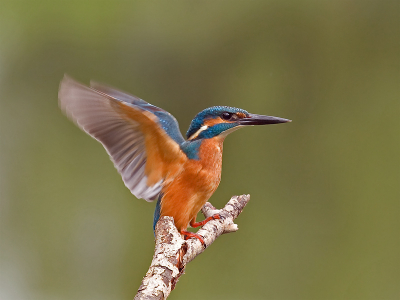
(226,115)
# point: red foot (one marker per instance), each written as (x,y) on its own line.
(189,235)
(197,224)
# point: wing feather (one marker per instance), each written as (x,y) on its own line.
(167,121)
(141,150)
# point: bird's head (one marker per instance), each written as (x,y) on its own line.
(222,120)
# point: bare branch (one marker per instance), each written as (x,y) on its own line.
(172,252)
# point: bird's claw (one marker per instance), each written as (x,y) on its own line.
(217,217)
(188,235)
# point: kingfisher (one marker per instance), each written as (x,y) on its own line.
(145,144)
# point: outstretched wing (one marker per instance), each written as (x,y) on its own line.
(165,119)
(143,146)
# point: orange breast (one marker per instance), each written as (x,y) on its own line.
(187,192)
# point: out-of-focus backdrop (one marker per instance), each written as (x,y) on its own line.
(323,220)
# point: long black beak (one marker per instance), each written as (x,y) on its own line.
(253,119)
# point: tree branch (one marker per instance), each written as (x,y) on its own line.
(172,253)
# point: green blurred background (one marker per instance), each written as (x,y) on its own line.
(323,220)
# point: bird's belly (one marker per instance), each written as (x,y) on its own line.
(188,192)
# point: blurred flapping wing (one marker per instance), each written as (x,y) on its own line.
(133,135)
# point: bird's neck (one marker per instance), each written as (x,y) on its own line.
(204,149)
(210,153)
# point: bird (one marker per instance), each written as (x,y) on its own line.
(148,150)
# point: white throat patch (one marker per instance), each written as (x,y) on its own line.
(226,132)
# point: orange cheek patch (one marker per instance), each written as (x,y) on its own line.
(218,120)
(212,122)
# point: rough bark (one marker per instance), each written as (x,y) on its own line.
(172,253)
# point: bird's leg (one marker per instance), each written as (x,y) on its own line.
(195,224)
(189,235)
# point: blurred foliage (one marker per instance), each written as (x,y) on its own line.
(323,222)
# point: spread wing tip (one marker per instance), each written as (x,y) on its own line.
(92,109)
